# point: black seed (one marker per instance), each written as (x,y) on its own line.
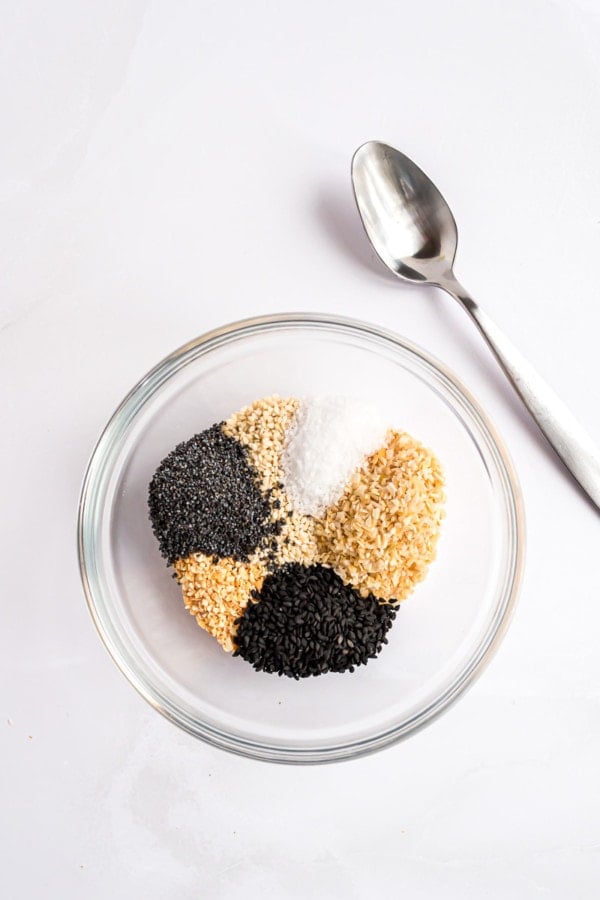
(307,622)
(205,498)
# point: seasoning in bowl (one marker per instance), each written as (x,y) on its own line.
(296,527)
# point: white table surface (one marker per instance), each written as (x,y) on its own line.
(167,167)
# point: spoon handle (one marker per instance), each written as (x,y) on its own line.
(569,439)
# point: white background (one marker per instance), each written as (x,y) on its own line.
(170,166)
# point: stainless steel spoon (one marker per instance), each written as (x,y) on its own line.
(413,231)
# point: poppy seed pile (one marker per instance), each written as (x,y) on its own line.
(205,498)
(295,528)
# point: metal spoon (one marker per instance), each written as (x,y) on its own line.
(413,231)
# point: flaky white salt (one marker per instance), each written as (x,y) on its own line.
(328,439)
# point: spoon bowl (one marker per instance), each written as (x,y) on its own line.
(407,220)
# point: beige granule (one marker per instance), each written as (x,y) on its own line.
(262,427)
(381,535)
(216,593)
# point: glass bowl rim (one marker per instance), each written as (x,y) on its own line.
(118,425)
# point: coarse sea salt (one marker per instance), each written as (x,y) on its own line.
(327,441)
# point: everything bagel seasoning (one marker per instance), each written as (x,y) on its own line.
(294,530)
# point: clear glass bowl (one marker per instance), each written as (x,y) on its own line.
(444,633)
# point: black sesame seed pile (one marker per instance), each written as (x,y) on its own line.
(205,498)
(306,621)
